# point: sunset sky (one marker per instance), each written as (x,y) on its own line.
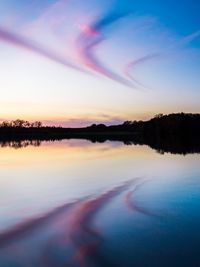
(75,62)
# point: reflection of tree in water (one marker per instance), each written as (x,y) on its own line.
(20,143)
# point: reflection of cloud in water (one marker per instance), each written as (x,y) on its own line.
(66,234)
(132,205)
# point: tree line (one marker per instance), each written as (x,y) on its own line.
(20,124)
(177,133)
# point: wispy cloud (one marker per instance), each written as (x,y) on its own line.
(65,20)
(90,40)
(159,54)
(22,42)
(84,121)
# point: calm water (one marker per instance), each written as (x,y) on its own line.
(75,203)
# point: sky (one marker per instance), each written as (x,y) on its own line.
(77,62)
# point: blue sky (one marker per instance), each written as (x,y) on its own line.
(74,62)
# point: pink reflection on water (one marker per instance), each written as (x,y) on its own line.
(69,229)
(132,205)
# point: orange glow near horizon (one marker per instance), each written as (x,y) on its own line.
(72,117)
(74,76)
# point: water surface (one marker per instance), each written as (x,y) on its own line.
(76,203)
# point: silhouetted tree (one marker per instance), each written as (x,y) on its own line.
(127,123)
(157,116)
(5,124)
(37,124)
(21,124)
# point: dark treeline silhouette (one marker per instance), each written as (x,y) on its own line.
(175,133)
(20,124)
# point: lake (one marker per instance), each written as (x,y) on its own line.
(77,203)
